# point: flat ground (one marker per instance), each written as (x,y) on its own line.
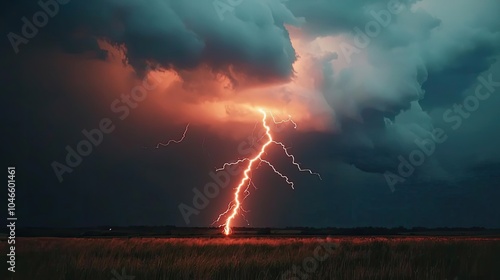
(255,258)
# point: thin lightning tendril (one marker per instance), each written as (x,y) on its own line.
(234,207)
(173,140)
(230,164)
(287,180)
(284,121)
(285,149)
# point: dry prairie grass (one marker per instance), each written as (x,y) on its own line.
(254,258)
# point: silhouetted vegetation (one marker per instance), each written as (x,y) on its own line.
(260,258)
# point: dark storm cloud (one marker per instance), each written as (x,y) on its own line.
(461,73)
(326,17)
(251,40)
(425,58)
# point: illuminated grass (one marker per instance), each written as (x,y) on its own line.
(254,258)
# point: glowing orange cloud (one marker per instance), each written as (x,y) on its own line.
(221,103)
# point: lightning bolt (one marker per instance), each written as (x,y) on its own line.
(234,207)
(173,140)
(284,121)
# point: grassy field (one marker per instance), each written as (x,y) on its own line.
(255,258)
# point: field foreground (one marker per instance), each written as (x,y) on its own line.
(254,258)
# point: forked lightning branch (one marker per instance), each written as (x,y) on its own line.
(234,207)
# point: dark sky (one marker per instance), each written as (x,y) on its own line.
(396,106)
